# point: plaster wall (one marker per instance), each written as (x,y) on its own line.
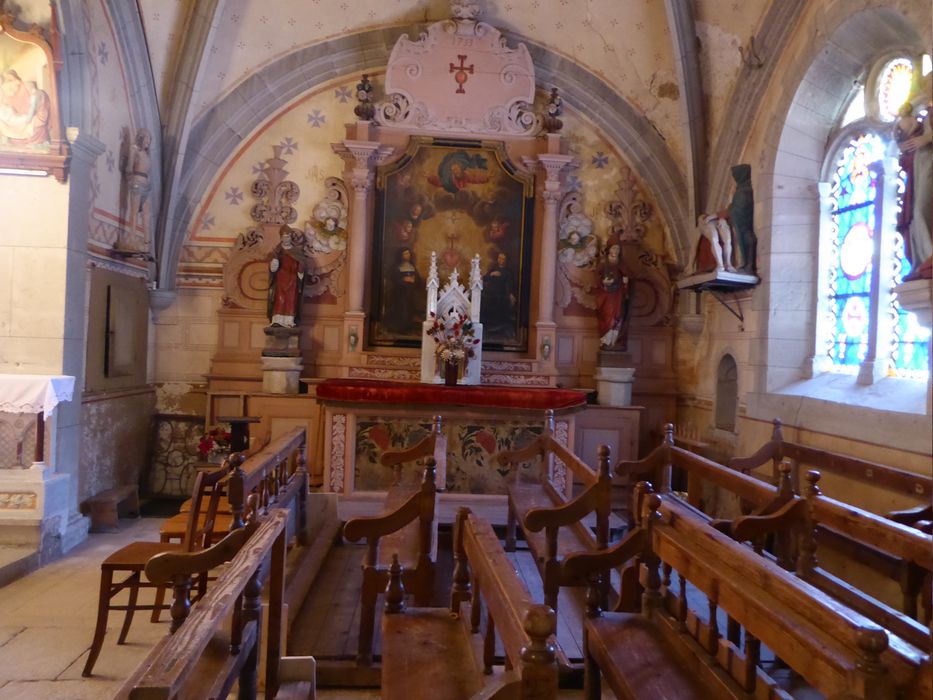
(639,64)
(116,434)
(185,336)
(35,329)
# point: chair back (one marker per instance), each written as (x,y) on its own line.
(205,501)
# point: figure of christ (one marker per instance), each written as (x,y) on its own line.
(716,232)
(136,172)
(286,282)
(612,299)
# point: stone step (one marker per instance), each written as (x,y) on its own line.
(16,562)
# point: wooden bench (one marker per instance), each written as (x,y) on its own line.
(104,508)
(674,647)
(215,644)
(869,537)
(885,477)
(406,531)
(552,521)
(437,653)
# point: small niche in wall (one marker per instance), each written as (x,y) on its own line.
(727,393)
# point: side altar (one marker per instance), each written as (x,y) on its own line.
(363,418)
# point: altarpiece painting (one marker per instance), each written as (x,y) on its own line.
(30,131)
(458,198)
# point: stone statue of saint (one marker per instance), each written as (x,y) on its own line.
(914,138)
(135,165)
(286,278)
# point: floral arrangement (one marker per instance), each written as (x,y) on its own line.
(215,443)
(455,337)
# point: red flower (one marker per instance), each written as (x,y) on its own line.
(486,441)
(205,445)
(380,435)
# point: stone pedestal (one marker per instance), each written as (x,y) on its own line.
(281,360)
(34,509)
(614,378)
(280,374)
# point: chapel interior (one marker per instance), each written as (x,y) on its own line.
(466,348)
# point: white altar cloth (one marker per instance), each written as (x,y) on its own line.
(31,393)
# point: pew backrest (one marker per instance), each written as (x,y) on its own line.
(172,669)
(838,651)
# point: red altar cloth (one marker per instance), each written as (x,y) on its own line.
(401,393)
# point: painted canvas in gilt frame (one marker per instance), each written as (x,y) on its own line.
(458,198)
(30,129)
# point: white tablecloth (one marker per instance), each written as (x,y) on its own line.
(31,393)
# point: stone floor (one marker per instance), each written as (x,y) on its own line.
(47,621)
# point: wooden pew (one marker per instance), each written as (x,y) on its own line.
(777,450)
(551,521)
(408,531)
(866,533)
(435,652)
(673,647)
(215,644)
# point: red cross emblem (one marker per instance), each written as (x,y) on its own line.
(460,73)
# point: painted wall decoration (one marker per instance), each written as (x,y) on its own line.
(30,128)
(457,200)
(471,467)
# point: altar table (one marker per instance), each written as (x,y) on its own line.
(363,418)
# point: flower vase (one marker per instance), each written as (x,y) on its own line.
(451,372)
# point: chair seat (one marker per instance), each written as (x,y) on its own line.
(175,526)
(134,556)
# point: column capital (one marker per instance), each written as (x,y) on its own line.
(553,165)
(363,157)
(363,154)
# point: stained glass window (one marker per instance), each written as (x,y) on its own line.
(894,87)
(855,195)
(859,232)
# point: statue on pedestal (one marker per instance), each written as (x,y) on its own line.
(286,278)
(612,297)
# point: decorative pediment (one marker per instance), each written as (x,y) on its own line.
(460,76)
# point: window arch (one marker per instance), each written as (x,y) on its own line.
(861,329)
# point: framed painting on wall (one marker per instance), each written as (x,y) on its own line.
(30,128)
(459,199)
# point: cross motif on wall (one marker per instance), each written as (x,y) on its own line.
(461,73)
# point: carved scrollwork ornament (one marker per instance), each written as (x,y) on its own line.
(577,252)
(326,241)
(629,213)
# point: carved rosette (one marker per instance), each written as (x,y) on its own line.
(460,76)
(326,241)
(577,252)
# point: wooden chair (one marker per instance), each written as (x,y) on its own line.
(132,560)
